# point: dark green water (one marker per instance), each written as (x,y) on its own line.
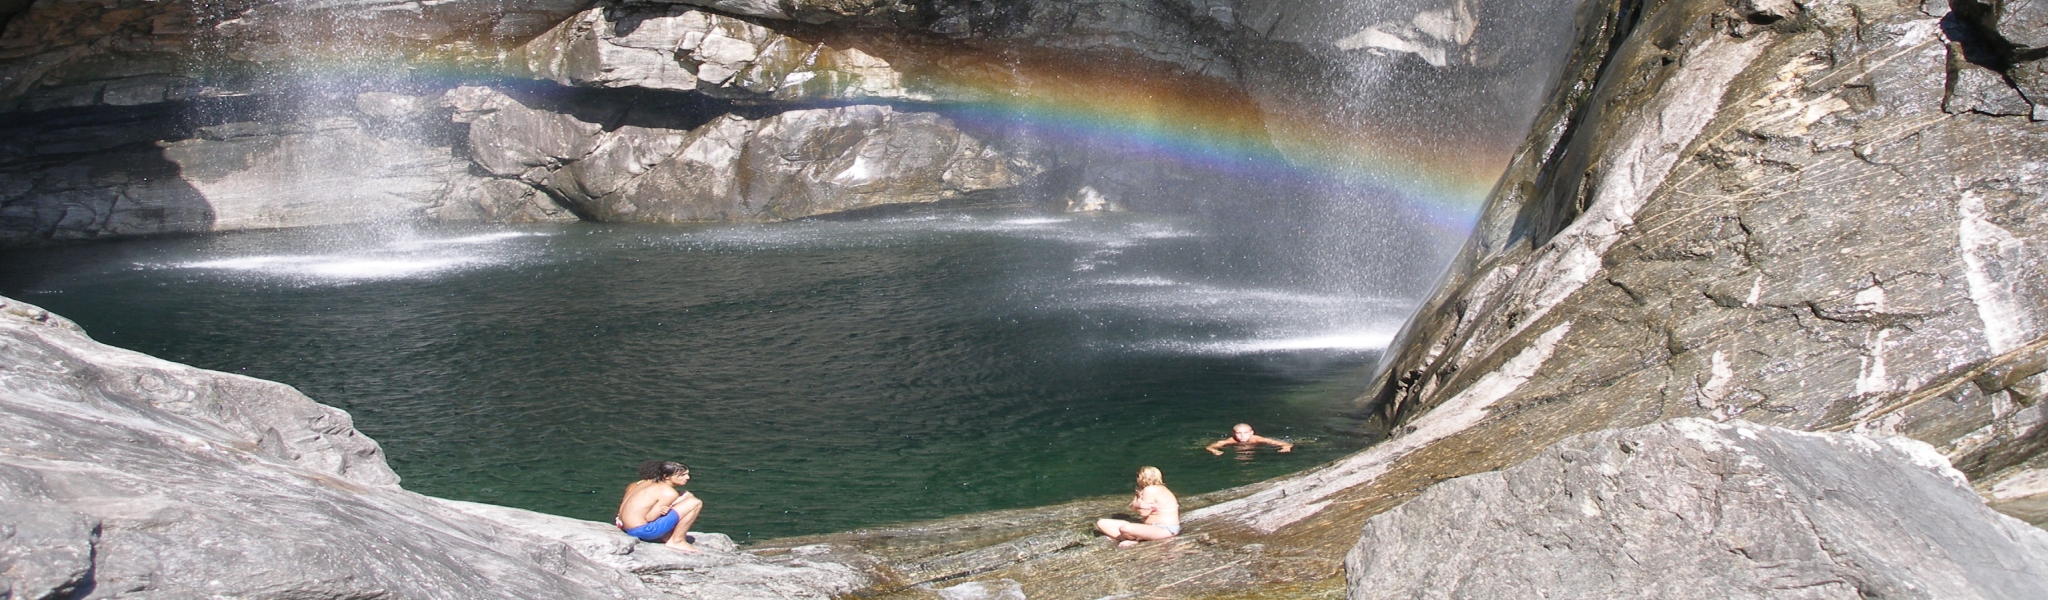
(818,376)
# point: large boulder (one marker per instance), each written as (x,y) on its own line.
(683,49)
(1691,508)
(615,164)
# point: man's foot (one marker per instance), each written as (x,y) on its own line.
(683,546)
(1126,543)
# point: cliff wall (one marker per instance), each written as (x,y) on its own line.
(1817,215)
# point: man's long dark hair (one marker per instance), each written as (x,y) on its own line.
(657,470)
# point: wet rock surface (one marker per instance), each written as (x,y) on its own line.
(1778,224)
(122,474)
(1699,509)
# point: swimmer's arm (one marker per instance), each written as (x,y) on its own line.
(1214,447)
(1284,446)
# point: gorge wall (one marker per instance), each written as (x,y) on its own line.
(1817,215)
(126,117)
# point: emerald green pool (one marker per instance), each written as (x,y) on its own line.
(818,376)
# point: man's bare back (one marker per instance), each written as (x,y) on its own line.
(654,511)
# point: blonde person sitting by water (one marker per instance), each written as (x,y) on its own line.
(654,511)
(1241,436)
(1155,505)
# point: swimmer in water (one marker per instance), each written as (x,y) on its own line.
(1241,436)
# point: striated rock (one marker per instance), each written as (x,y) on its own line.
(676,48)
(818,571)
(730,168)
(1698,509)
(1781,225)
(123,474)
(1022,51)
(2022,24)
(45,552)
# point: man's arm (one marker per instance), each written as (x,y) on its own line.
(1215,447)
(1284,446)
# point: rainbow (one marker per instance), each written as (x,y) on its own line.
(1190,120)
(1208,124)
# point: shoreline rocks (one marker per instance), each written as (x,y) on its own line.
(1700,509)
(126,474)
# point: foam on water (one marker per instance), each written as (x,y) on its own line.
(1364,341)
(334,267)
(408,258)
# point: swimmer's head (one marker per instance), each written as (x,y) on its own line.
(1241,432)
(1149,476)
(658,470)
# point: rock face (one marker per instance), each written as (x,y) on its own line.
(229,165)
(1697,509)
(616,163)
(122,474)
(1809,216)
(136,52)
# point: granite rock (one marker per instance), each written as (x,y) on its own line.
(611,166)
(684,49)
(1725,219)
(1698,509)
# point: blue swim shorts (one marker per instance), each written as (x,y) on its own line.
(656,529)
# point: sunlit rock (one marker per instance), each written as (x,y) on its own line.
(1438,36)
(726,167)
(683,49)
(1821,228)
(1694,508)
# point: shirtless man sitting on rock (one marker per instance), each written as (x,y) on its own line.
(654,511)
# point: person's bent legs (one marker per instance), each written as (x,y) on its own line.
(1132,533)
(1111,527)
(686,508)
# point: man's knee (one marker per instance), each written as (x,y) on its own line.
(689,503)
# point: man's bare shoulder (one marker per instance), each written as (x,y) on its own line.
(650,490)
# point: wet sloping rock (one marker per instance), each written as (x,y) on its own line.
(612,166)
(723,572)
(122,474)
(1761,212)
(1697,509)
